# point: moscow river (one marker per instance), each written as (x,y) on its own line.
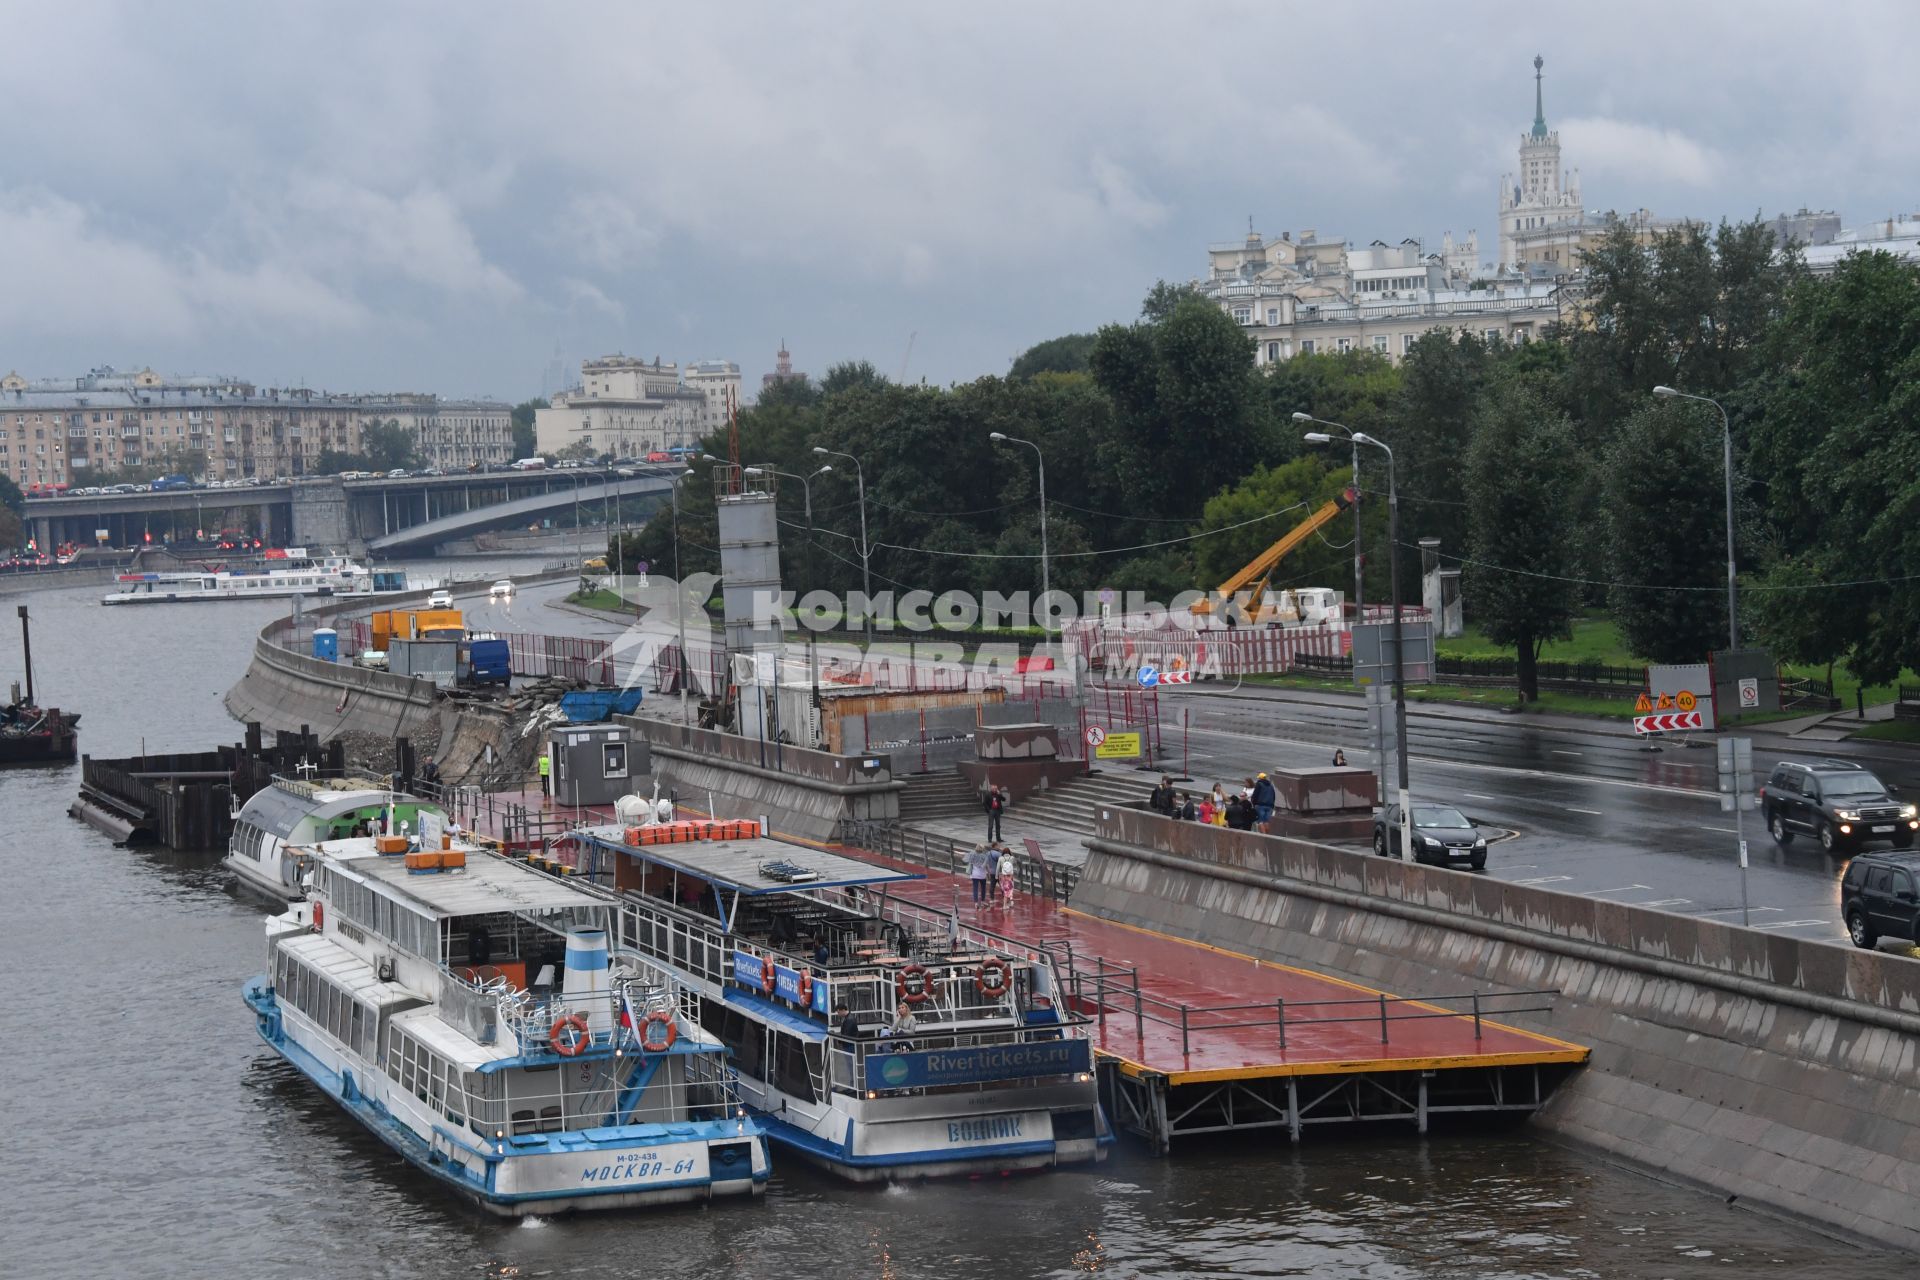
(150,1133)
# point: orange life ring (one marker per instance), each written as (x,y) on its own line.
(912,984)
(806,989)
(993,977)
(565,1044)
(319,916)
(766,975)
(658,1018)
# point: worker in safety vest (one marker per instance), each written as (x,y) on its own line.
(545,765)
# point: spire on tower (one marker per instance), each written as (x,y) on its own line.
(1539,107)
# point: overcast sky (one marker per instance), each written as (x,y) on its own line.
(439,197)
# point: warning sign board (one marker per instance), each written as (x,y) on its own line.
(1668,722)
(1119,746)
(1095,735)
(1679,687)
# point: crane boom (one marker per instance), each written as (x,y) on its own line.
(1261,567)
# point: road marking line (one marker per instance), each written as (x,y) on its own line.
(1623,889)
(1660,902)
(1793,924)
(1475,795)
(1595,812)
(1545,880)
(1727,830)
(1520,866)
(1557,751)
(1724,911)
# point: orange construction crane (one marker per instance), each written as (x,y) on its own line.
(1260,569)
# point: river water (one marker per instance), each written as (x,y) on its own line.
(149,1133)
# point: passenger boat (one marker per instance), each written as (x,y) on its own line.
(278,822)
(996,1075)
(300,575)
(463,1008)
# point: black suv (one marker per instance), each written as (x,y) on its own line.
(1837,803)
(1880,897)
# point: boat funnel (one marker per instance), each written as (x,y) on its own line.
(584,985)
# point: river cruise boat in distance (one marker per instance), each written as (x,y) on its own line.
(277,823)
(298,575)
(994,1075)
(464,1008)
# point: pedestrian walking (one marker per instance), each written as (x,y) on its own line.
(996,805)
(977,872)
(1186,812)
(994,858)
(1006,882)
(545,766)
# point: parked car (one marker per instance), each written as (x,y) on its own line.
(398,473)
(501,590)
(1880,897)
(1838,803)
(442,599)
(1441,835)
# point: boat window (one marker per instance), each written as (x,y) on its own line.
(795,1062)
(206,584)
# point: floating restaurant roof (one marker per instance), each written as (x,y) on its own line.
(735,864)
(488,883)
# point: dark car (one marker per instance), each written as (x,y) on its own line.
(1880,897)
(1441,835)
(1838,803)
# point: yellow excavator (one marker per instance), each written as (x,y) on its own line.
(1259,570)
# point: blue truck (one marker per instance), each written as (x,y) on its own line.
(486,660)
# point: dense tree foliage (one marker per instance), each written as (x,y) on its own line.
(523,436)
(1547,468)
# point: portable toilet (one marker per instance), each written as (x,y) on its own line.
(594,764)
(326,644)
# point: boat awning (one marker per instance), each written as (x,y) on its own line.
(487,885)
(735,865)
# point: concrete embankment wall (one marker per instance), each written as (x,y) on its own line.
(800,792)
(1775,1070)
(285,690)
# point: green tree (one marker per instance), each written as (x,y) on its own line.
(1070,353)
(1666,532)
(1522,468)
(10,496)
(1430,425)
(387,446)
(851,374)
(1787,610)
(797,392)
(1164,299)
(523,434)
(1832,433)
(1257,512)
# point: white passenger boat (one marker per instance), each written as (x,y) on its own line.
(265,851)
(996,1075)
(463,1008)
(300,575)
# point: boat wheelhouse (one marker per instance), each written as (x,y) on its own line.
(316,576)
(804,963)
(463,1008)
(280,819)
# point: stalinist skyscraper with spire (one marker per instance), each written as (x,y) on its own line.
(1541,195)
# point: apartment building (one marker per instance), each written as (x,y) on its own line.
(628,408)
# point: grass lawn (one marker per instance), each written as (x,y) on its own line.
(1596,639)
(600,598)
(1890,731)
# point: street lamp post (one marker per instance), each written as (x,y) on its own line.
(1733,617)
(1359,594)
(866,550)
(1726,436)
(1399,648)
(1046,581)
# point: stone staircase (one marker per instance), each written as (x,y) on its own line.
(930,797)
(1072,805)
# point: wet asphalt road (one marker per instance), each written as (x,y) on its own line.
(1589,811)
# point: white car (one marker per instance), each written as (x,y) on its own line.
(440,600)
(501,590)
